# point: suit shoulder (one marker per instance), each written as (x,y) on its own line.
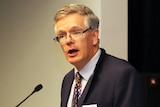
(106,58)
(116,64)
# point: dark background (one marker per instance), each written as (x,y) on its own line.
(144,45)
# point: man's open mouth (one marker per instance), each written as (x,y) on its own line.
(72,51)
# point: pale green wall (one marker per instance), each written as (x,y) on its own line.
(114,22)
(28,56)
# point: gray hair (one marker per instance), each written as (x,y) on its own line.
(91,19)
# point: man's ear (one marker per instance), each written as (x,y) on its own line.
(95,36)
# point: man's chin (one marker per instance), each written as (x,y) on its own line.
(73,61)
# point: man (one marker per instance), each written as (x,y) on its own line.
(106,81)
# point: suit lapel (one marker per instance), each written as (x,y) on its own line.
(67,88)
(82,98)
(97,70)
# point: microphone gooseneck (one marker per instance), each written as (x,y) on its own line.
(36,89)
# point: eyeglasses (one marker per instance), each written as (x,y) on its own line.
(73,35)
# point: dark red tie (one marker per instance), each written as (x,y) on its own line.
(77,90)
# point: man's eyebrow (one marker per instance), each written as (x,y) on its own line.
(71,29)
(76,28)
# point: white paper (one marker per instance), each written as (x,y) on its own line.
(90,105)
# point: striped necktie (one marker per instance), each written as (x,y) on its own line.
(77,90)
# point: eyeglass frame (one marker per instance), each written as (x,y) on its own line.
(57,38)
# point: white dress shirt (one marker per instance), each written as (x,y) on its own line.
(86,72)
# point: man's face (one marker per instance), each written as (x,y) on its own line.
(78,52)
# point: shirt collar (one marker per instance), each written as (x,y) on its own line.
(88,69)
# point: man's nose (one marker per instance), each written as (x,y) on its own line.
(68,38)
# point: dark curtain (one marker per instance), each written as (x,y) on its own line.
(144,35)
(144,46)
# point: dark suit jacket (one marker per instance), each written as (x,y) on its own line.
(115,83)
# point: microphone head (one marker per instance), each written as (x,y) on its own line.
(38,87)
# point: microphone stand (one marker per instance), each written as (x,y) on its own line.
(37,88)
(25,99)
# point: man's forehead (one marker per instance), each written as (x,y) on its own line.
(72,21)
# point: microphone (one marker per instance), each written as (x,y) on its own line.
(36,89)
